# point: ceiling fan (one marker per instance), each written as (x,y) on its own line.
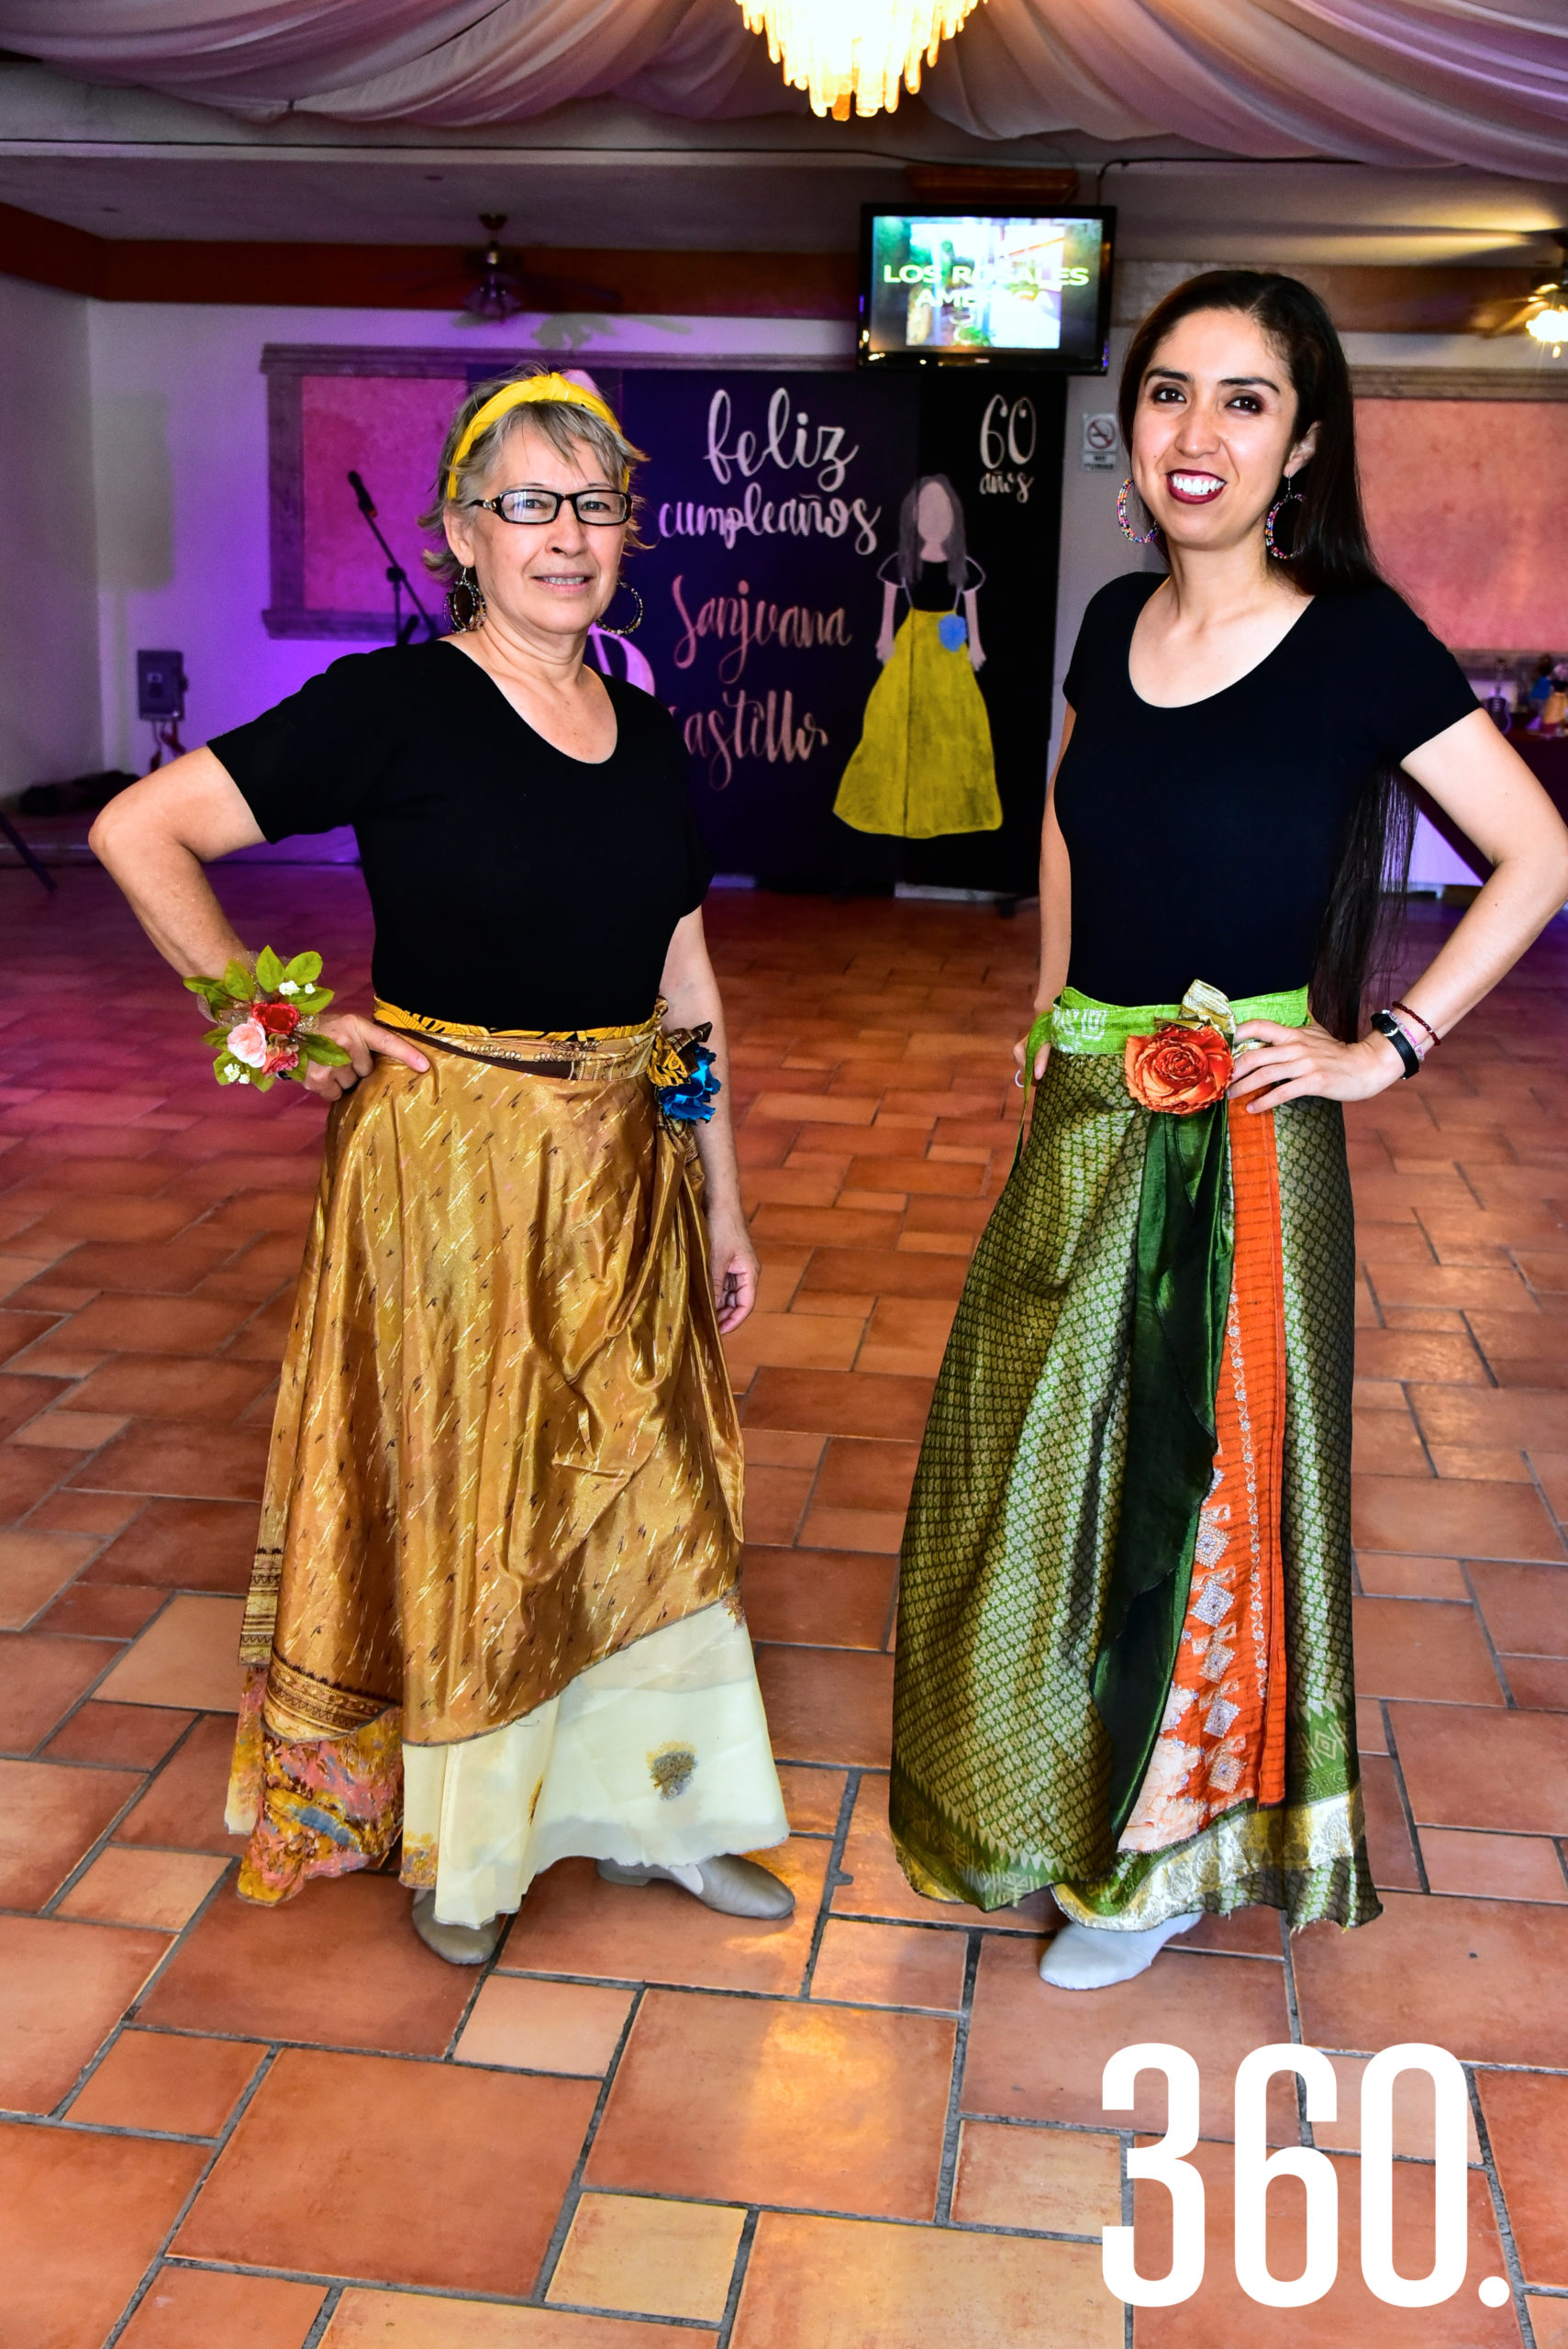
(504,286)
(1543,313)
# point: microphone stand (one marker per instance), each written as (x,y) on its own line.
(398,578)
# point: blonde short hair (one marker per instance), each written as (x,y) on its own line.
(567,427)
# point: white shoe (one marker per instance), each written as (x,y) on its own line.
(1091,1957)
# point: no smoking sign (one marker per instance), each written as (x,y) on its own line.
(1100,437)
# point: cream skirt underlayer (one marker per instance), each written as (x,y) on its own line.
(657,1756)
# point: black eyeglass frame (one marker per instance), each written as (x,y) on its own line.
(562,497)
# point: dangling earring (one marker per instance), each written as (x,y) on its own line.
(466,603)
(1138,538)
(1289,496)
(632,626)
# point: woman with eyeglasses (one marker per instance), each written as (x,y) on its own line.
(494,1607)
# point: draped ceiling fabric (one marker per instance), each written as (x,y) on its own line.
(1483,83)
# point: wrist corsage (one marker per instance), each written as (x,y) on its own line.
(265,1020)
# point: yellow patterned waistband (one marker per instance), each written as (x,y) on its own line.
(590,1054)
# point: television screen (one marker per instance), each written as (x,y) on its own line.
(944,287)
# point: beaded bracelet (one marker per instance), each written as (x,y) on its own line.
(1411,1013)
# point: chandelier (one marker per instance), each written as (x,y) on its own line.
(1549,324)
(839,50)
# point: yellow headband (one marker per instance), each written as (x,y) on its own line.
(533,388)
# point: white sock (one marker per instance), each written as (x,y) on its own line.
(1091,1957)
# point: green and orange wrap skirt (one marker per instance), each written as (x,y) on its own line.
(1124,1663)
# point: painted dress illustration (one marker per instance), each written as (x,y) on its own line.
(923,766)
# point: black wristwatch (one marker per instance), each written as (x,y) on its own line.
(1386,1025)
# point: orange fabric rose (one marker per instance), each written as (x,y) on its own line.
(1178,1070)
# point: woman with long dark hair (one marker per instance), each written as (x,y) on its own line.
(1124,1643)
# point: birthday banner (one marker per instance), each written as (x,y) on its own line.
(780,511)
(850,586)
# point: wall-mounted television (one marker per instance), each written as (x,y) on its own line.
(950,285)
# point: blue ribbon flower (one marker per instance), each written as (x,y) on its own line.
(691,1101)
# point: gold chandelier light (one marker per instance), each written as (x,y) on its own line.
(840,51)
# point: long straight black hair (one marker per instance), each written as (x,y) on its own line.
(1329,555)
(954,547)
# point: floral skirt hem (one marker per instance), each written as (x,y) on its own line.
(658,1755)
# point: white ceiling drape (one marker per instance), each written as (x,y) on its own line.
(1483,83)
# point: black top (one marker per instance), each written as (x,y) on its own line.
(932,590)
(1204,840)
(512,887)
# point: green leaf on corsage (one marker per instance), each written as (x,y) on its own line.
(322,1049)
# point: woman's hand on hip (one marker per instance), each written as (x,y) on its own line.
(361,1039)
(1295,1064)
(732,1262)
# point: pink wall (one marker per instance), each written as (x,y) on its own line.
(1466,503)
(389,430)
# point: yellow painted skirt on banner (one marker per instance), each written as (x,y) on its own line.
(923,765)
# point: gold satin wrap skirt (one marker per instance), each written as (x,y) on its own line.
(506,1447)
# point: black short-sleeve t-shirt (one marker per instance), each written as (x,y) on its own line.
(1204,840)
(512,887)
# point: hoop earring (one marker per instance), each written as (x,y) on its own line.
(1289,496)
(1138,538)
(466,603)
(632,626)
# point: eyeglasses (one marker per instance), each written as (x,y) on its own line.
(603,508)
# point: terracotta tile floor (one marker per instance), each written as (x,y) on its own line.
(647,2123)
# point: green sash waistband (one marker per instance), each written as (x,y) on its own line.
(1081,1023)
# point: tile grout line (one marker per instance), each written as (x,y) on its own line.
(324,2316)
(570,2199)
(737,2279)
(105,1543)
(947,2173)
(1499,2209)
(1510,1701)
(93,1687)
(1128,2214)
(1405,1804)
(242,2107)
(128,2016)
(834,1876)
(1293,2008)
(1559,1526)
(96,1849)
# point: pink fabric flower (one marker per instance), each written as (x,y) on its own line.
(282,1058)
(248,1042)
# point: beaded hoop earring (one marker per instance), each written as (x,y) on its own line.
(633,625)
(1138,538)
(1289,496)
(466,603)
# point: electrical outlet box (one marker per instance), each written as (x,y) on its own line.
(160,684)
